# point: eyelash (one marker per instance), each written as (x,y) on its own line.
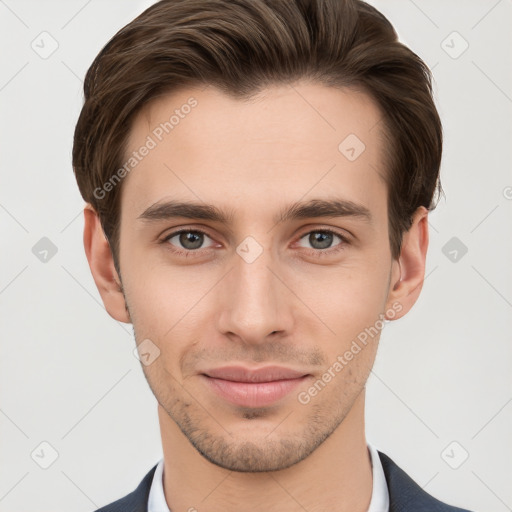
(198,252)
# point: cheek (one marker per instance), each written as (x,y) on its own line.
(159,294)
(350,305)
(167,306)
(347,299)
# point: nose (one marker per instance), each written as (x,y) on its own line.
(254,301)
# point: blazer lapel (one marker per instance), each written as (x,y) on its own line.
(136,501)
(405,495)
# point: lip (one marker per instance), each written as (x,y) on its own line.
(254,375)
(257,387)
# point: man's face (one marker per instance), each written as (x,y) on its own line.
(230,298)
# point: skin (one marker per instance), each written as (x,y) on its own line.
(290,306)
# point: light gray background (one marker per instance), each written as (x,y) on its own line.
(68,376)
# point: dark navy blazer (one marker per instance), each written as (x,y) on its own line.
(404,494)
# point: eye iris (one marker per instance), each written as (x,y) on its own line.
(324,238)
(191,240)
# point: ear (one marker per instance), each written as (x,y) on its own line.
(101,263)
(408,272)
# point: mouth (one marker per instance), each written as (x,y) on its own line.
(253,387)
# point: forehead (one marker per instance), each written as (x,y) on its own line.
(284,143)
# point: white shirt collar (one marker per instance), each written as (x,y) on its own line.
(380,493)
(156,500)
(378,503)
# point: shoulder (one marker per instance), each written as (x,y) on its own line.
(136,501)
(405,495)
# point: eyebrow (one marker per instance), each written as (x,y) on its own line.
(299,210)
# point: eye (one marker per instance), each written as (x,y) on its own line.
(322,240)
(187,239)
(189,242)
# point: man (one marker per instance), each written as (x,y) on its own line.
(258,176)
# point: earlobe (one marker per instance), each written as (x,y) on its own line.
(101,263)
(410,267)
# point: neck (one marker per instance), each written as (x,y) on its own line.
(337,476)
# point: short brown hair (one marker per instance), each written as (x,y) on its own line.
(241,46)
